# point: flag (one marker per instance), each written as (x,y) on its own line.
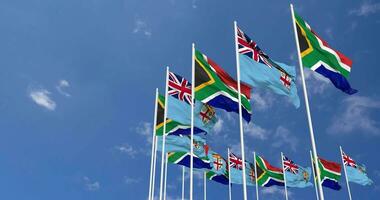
(296,176)
(179,87)
(236,171)
(217,88)
(219,168)
(219,164)
(175,143)
(267,175)
(330,174)
(318,56)
(183,158)
(220,178)
(258,70)
(179,109)
(356,173)
(172,127)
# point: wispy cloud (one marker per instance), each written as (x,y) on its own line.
(91,185)
(317,84)
(366,8)
(194,4)
(274,191)
(62,85)
(130,180)
(141,27)
(256,131)
(284,138)
(218,126)
(41,97)
(329,32)
(127,149)
(262,100)
(145,129)
(356,115)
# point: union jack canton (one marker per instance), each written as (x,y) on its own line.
(248,47)
(348,161)
(236,162)
(289,165)
(179,88)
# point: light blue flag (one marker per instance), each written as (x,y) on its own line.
(236,171)
(219,164)
(180,111)
(262,76)
(181,143)
(301,179)
(358,175)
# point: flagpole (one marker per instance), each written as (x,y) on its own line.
(345,173)
(164,134)
(229,176)
(166,174)
(307,105)
(153,147)
(204,186)
(257,186)
(283,170)
(240,114)
(192,120)
(315,181)
(154,167)
(183,182)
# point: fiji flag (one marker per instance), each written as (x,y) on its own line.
(258,70)
(181,143)
(179,105)
(296,176)
(236,170)
(355,173)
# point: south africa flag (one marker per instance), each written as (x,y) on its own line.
(267,175)
(330,173)
(318,56)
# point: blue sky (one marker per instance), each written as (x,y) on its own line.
(78,78)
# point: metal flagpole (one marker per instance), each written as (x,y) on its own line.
(163,160)
(257,186)
(204,186)
(183,182)
(229,176)
(166,174)
(154,167)
(240,114)
(307,104)
(315,181)
(283,170)
(192,120)
(153,147)
(345,173)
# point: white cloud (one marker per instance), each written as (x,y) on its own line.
(129,180)
(41,97)
(329,32)
(62,84)
(218,126)
(145,129)
(91,185)
(194,4)
(127,149)
(142,28)
(255,131)
(262,101)
(356,116)
(274,191)
(316,83)
(284,138)
(366,8)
